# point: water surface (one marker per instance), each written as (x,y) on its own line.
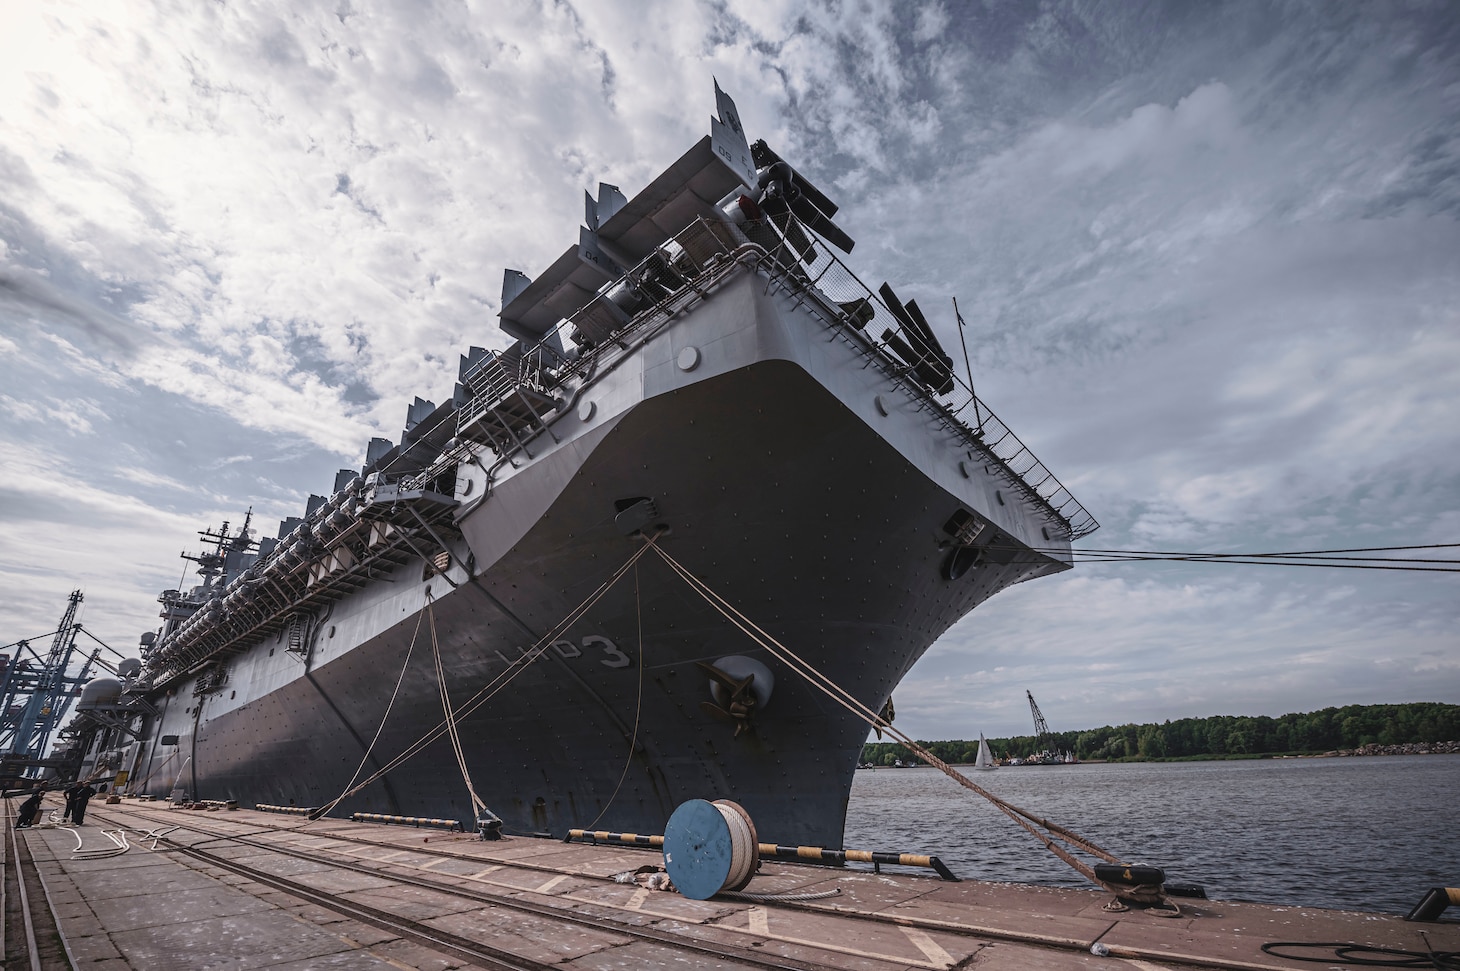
(1370,833)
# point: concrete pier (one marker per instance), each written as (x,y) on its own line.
(243,889)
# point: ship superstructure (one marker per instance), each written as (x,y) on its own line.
(700,372)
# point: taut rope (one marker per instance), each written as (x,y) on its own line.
(838,694)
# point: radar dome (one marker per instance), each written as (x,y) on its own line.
(99,693)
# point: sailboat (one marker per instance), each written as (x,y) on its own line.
(985,758)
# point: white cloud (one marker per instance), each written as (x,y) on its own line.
(1207,263)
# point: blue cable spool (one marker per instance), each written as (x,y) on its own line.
(709,847)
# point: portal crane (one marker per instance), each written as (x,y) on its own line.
(35,693)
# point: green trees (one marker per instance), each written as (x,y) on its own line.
(1220,735)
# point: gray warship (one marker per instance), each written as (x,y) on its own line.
(700,372)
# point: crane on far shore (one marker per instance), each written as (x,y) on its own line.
(1041,727)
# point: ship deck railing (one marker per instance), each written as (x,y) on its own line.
(515,395)
(278,592)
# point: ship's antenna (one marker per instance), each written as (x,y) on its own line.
(968,365)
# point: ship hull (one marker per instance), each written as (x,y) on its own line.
(778,474)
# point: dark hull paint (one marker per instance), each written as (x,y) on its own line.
(822,533)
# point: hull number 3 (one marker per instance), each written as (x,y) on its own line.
(614,658)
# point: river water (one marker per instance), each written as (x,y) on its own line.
(1371,833)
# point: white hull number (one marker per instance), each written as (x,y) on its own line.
(615,658)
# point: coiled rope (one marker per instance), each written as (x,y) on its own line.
(838,694)
(117,837)
(1365,956)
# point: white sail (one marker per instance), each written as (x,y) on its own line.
(985,757)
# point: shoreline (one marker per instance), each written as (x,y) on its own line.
(1410,748)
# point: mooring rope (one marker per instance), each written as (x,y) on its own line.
(638,705)
(400,678)
(490,689)
(135,786)
(850,703)
(477,805)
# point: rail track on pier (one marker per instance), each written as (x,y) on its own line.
(495,913)
(28,934)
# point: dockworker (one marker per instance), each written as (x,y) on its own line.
(83,796)
(70,795)
(29,809)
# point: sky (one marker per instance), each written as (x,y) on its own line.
(1208,255)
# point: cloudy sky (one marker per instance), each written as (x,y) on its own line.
(1209,257)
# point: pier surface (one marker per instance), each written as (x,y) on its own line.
(243,889)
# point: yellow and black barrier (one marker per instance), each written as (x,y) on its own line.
(813,854)
(596,836)
(1434,904)
(817,854)
(291,810)
(417,821)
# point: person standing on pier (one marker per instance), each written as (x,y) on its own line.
(70,795)
(83,795)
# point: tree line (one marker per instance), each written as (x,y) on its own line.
(1219,736)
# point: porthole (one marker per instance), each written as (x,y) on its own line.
(332,626)
(232,695)
(1044,531)
(999,495)
(466,487)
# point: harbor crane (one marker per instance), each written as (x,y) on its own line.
(35,692)
(1041,727)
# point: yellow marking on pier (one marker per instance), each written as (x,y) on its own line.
(759,921)
(430,863)
(552,883)
(750,930)
(931,949)
(638,899)
(481,873)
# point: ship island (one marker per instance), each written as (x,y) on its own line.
(536,599)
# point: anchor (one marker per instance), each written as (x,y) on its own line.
(739,687)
